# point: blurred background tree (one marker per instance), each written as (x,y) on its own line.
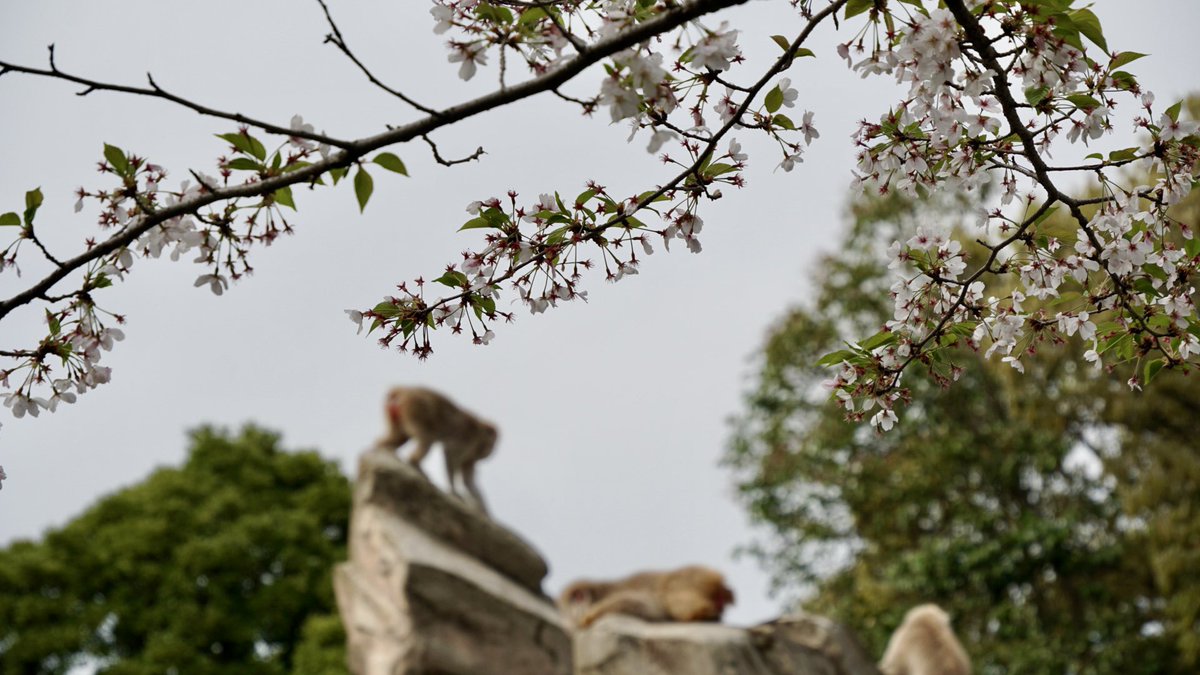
(1054,515)
(221,566)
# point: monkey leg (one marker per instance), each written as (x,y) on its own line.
(468,478)
(392,440)
(418,456)
(640,604)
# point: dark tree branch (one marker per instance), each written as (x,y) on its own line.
(155,91)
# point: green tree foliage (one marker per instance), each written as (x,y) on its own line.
(221,566)
(1054,515)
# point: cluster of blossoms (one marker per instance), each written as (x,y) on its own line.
(539,249)
(990,85)
(66,362)
(1126,280)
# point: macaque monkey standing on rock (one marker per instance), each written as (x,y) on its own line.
(428,417)
(924,644)
(691,593)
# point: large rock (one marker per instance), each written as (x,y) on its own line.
(798,645)
(433,587)
(387,482)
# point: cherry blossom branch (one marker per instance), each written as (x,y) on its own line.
(979,42)
(350,150)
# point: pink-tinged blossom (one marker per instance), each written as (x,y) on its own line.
(470,55)
(1172,130)
(789,94)
(444,17)
(806,126)
(356,317)
(735,151)
(884,420)
(216,283)
(790,161)
(622,101)
(297,141)
(716,51)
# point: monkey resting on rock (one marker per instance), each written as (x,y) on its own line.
(692,593)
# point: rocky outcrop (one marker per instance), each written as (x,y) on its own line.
(794,645)
(435,587)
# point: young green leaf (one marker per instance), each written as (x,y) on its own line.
(116,159)
(1124,58)
(363,187)
(390,162)
(284,196)
(33,201)
(9,219)
(1089,25)
(773,100)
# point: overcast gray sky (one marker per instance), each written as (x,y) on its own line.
(613,414)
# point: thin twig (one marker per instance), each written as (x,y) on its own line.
(451,162)
(338,41)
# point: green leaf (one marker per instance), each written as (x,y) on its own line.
(585,196)
(495,217)
(1125,57)
(774,100)
(834,358)
(1152,369)
(363,187)
(1035,95)
(256,148)
(1173,111)
(718,169)
(475,223)
(387,310)
(856,7)
(116,159)
(390,162)
(1124,81)
(783,121)
(883,337)
(802,52)
(55,324)
(1124,154)
(240,142)
(338,173)
(1084,101)
(244,164)
(1089,25)
(284,196)
(33,201)
(453,279)
(9,219)
(783,42)
(1190,246)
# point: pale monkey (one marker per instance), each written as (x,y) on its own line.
(924,644)
(429,417)
(692,593)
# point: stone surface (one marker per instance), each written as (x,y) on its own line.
(800,645)
(434,587)
(386,481)
(414,603)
